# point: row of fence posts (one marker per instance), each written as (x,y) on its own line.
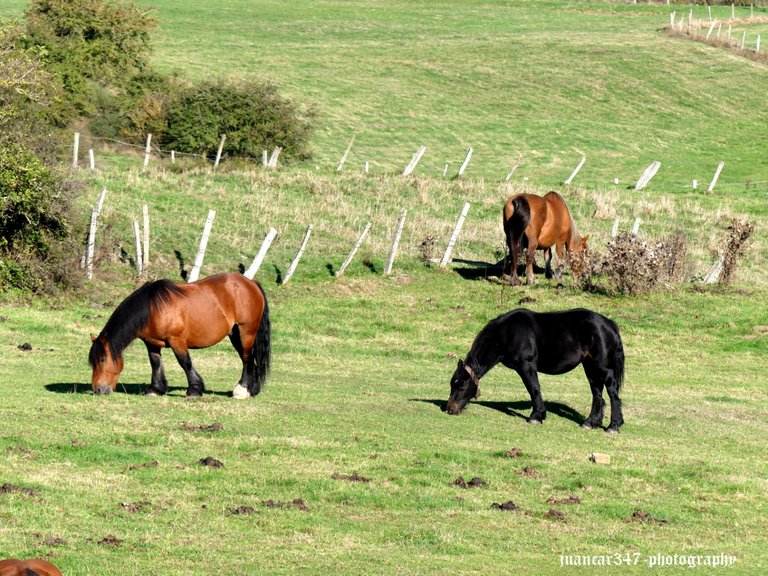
(270,162)
(692,23)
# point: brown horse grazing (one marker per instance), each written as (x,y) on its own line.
(540,223)
(33,567)
(183,317)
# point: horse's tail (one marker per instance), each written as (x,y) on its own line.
(262,348)
(517,216)
(618,360)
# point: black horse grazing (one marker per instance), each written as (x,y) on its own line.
(549,342)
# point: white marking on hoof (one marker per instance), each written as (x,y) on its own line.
(240,393)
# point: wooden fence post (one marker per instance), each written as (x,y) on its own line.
(91,244)
(75,149)
(264,158)
(716,176)
(355,248)
(649,173)
(147,150)
(139,267)
(395,243)
(256,264)
(219,151)
(414,161)
(145,215)
(452,242)
(636,226)
(346,154)
(295,263)
(465,163)
(615,229)
(91,159)
(576,171)
(173,156)
(195,272)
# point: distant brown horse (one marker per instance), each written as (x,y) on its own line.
(183,317)
(539,223)
(33,567)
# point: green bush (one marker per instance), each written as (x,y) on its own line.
(36,241)
(252,114)
(88,44)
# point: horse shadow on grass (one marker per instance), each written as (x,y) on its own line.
(521,409)
(478,270)
(130,388)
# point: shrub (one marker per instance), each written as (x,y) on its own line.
(89,43)
(252,115)
(36,245)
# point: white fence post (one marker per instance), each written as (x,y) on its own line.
(256,264)
(203,244)
(272,164)
(147,150)
(91,159)
(91,244)
(139,267)
(716,176)
(295,263)
(465,163)
(75,149)
(395,243)
(145,215)
(219,151)
(414,161)
(615,229)
(509,174)
(636,226)
(649,173)
(355,248)
(452,242)
(576,171)
(346,154)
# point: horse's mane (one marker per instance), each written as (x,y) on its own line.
(131,315)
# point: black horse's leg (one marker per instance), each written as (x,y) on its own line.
(248,375)
(159,384)
(596,382)
(531,380)
(617,419)
(195,387)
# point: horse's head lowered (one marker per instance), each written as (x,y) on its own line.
(106,367)
(464,386)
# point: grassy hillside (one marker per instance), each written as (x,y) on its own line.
(542,81)
(362,363)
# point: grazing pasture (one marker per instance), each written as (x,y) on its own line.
(346,462)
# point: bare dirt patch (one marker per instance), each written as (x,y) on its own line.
(296,503)
(242,511)
(507,506)
(135,506)
(350,477)
(13,489)
(569,500)
(152,464)
(214,427)
(211,462)
(513,453)
(641,516)
(555,515)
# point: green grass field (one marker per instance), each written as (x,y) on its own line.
(361,364)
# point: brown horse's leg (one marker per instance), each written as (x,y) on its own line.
(548,263)
(559,269)
(159,384)
(195,385)
(530,256)
(243,343)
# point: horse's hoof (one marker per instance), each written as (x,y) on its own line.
(192,394)
(534,421)
(240,393)
(611,430)
(587,426)
(152,392)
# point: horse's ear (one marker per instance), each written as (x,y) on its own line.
(584,240)
(93,337)
(460,364)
